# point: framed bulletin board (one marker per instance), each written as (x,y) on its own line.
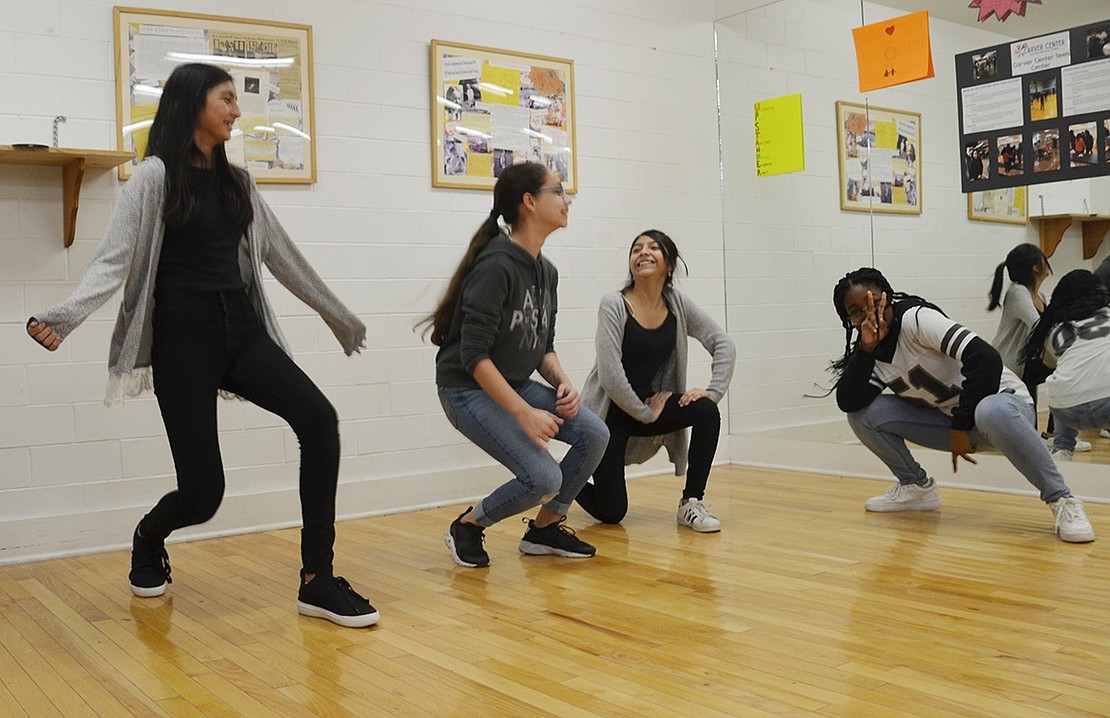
(270,62)
(495,108)
(1007,204)
(880,159)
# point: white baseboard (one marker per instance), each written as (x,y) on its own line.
(992,473)
(40,538)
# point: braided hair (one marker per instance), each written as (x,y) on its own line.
(874,280)
(1078,295)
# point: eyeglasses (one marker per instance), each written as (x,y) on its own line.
(557,189)
(857,315)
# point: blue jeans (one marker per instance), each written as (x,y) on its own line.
(540,479)
(1088,415)
(1002,421)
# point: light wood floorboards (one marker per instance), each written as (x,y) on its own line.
(804,605)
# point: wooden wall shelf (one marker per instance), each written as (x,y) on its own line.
(73,163)
(1053,226)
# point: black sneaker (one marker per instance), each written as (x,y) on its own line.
(554,540)
(465,542)
(331,597)
(150,567)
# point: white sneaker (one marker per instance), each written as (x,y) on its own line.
(1104,433)
(906,497)
(1061,456)
(1081,445)
(695,514)
(1071,521)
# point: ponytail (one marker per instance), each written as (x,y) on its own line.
(996,288)
(508,196)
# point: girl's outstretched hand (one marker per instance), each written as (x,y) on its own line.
(43,334)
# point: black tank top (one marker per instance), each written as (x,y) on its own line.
(644,351)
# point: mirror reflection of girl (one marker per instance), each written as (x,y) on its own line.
(951,392)
(1022,305)
(1076,324)
(638,384)
(188,242)
(495,327)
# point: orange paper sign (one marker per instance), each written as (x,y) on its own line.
(894,51)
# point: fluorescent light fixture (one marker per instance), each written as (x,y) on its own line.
(232,61)
(265,128)
(147,90)
(495,89)
(539,100)
(291,130)
(128,129)
(447,103)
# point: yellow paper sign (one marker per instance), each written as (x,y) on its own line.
(894,51)
(500,85)
(779,140)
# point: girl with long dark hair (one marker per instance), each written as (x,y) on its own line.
(638,383)
(951,392)
(1027,267)
(495,327)
(188,242)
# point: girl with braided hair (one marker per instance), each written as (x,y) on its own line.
(950,392)
(1076,324)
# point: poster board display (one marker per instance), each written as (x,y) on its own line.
(270,62)
(1035,110)
(493,108)
(1008,205)
(880,159)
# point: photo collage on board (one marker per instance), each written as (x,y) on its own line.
(1036,110)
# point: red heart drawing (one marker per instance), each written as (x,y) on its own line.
(890,30)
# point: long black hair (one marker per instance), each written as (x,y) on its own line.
(670,256)
(508,196)
(1078,295)
(874,280)
(184,98)
(1020,265)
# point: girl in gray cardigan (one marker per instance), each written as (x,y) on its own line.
(187,242)
(638,384)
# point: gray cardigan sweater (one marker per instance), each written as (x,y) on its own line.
(607,381)
(129,255)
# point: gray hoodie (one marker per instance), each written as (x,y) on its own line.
(505,313)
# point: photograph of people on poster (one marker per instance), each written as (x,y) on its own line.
(1081,138)
(977,166)
(1046,150)
(985,66)
(1106,140)
(1042,99)
(1098,42)
(1010,160)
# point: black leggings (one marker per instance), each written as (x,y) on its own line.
(606,499)
(206,341)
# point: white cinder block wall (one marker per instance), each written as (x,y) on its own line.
(787,242)
(76,475)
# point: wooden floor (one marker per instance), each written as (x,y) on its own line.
(803,605)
